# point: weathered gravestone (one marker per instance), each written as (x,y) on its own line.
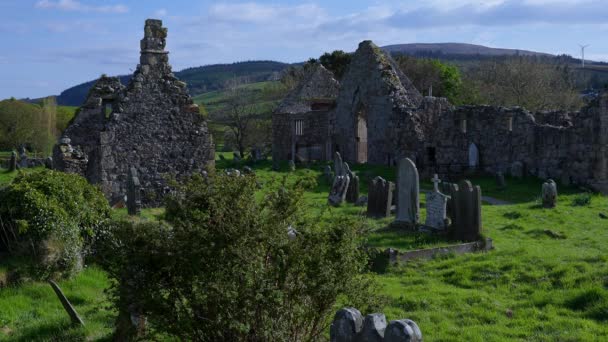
(12,165)
(352,194)
(329,175)
(339,165)
(133,193)
(436,207)
(373,328)
(346,325)
(408,190)
(549,194)
(517,169)
(473,156)
(466,202)
(22,158)
(292,165)
(236,156)
(48,163)
(338,191)
(379,197)
(500,180)
(402,330)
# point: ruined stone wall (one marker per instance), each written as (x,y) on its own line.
(314,143)
(373,89)
(152,125)
(574,153)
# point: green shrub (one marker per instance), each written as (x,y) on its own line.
(50,217)
(582,200)
(222,268)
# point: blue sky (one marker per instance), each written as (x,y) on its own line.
(50,45)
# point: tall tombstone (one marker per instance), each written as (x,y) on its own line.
(549,194)
(473,156)
(133,193)
(436,207)
(12,166)
(338,165)
(466,211)
(352,194)
(380,197)
(408,192)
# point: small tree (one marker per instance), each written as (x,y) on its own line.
(336,62)
(444,79)
(224,268)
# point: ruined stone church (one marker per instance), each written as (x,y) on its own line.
(151,125)
(375,115)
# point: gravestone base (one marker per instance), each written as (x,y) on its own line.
(402,225)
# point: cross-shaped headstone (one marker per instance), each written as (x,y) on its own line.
(436,182)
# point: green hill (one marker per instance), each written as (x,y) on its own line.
(199,79)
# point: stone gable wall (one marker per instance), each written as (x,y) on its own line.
(153,126)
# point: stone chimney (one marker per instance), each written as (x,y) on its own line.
(153,45)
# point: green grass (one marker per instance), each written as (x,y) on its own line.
(32,311)
(546,280)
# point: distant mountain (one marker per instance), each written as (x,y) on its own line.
(424,49)
(200,79)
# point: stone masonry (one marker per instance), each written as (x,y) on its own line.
(380,117)
(151,124)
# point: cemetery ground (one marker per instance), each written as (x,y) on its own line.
(546,280)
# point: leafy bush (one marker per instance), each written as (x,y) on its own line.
(582,200)
(50,217)
(222,268)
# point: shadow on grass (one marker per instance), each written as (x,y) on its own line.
(63,331)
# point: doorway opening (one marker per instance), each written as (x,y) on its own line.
(361,135)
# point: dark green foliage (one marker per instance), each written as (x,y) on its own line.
(223,267)
(50,217)
(445,79)
(582,200)
(336,62)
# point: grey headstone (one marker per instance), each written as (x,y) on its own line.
(549,194)
(473,156)
(352,194)
(338,165)
(373,329)
(517,169)
(133,193)
(466,211)
(436,207)
(361,201)
(12,166)
(500,180)
(236,156)
(23,160)
(408,190)
(380,197)
(328,174)
(292,233)
(48,163)
(292,165)
(339,190)
(247,170)
(402,330)
(346,325)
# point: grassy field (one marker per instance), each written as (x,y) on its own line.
(546,280)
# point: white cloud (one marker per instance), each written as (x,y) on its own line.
(161,13)
(76,6)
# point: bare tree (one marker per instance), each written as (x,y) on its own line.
(526,82)
(240,115)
